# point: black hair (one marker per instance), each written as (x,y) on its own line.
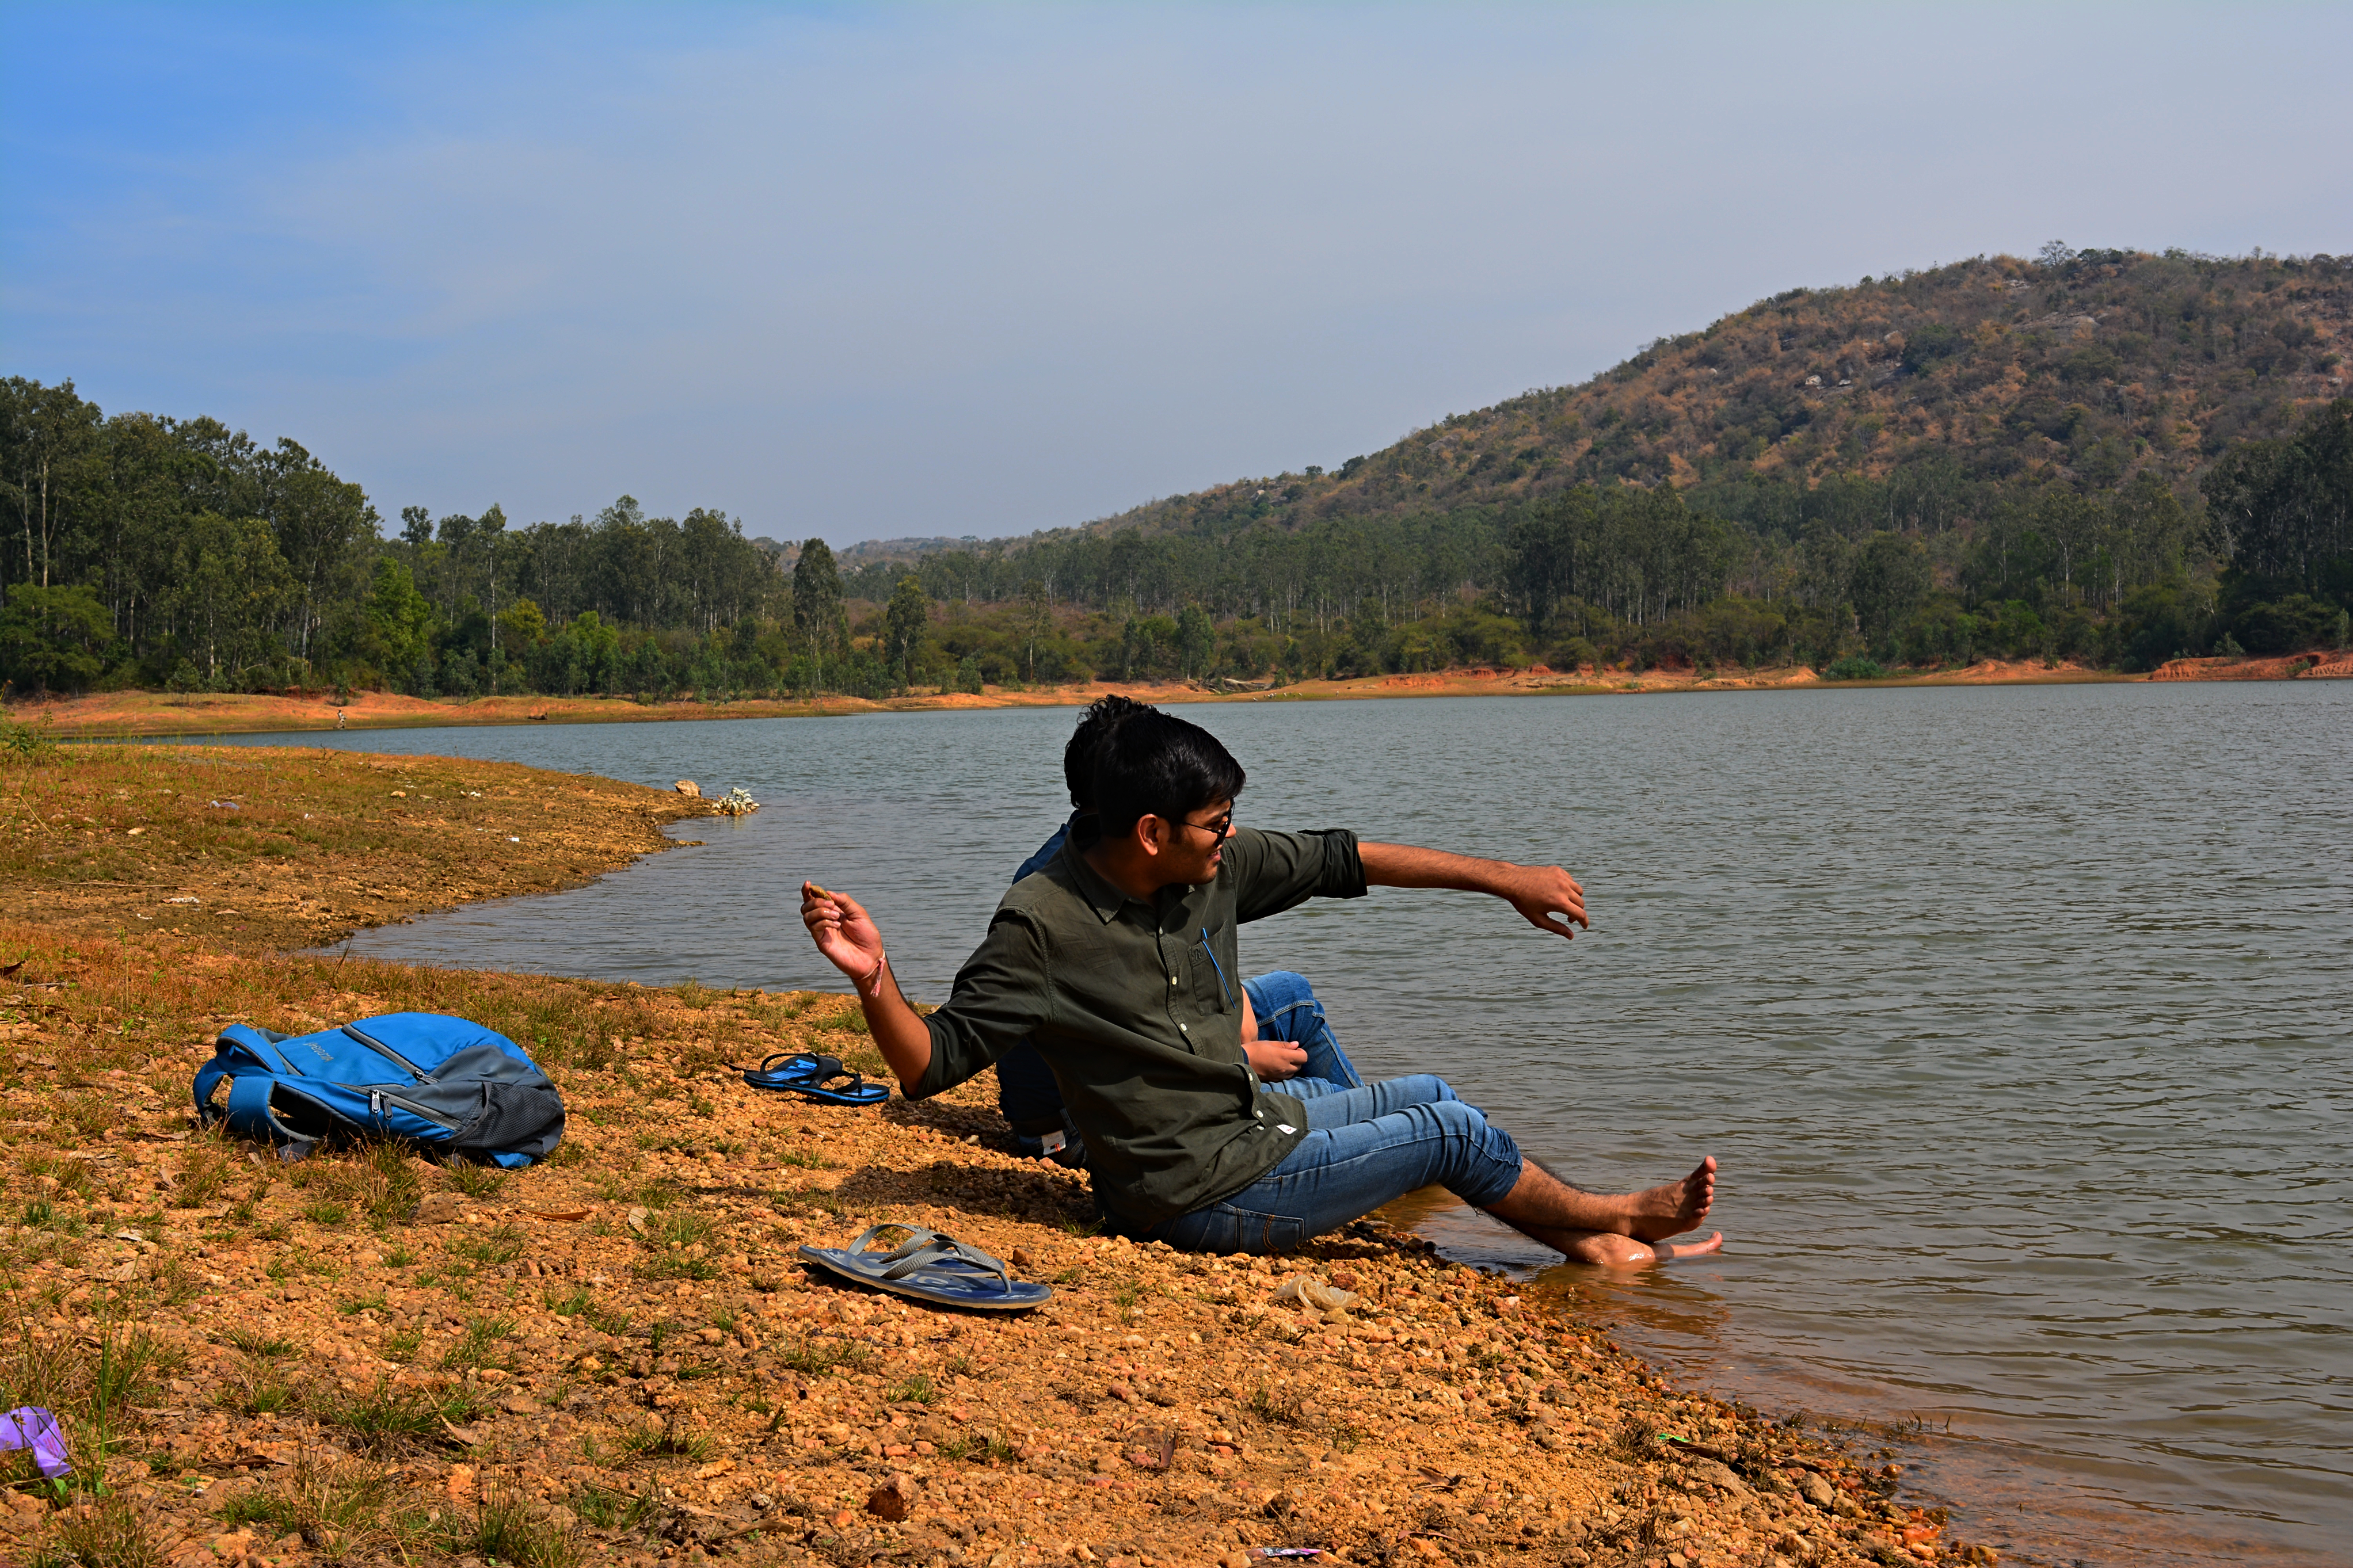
(1099,717)
(1154,763)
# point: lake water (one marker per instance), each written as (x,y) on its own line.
(2018,1018)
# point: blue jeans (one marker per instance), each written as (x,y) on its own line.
(1286,1009)
(1366,1147)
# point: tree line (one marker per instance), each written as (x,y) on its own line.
(143,550)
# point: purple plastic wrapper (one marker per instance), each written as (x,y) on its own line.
(30,1427)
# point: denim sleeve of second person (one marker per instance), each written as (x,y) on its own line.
(1278,871)
(1002,994)
(1045,853)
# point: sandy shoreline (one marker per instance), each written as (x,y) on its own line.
(147,714)
(616,1356)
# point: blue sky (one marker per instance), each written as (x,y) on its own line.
(866,271)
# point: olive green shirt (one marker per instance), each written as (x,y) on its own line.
(1138,1008)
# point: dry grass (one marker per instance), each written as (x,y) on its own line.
(288,847)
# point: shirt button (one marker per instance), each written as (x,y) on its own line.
(1183,1029)
(1172,980)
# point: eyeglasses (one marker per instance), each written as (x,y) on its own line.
(1222,828)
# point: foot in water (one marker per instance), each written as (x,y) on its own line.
(1622,1231)
(1612,1251)
(1672,1208)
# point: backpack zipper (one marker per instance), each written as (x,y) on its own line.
(388,1054)
(378,1099)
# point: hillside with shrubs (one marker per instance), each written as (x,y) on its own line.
(2105,456)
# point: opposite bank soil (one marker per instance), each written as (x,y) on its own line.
(618,1356)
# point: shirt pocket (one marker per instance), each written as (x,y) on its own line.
(1213,986)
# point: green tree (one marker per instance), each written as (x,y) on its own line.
(819,619)
(232,586)
(909,613)
(1196,635)
(399,621)
(53,639)
(1037,619)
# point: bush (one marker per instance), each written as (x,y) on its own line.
(1855,667)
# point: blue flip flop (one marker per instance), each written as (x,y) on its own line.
(929,1266)
(813,1077)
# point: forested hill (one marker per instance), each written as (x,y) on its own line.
(2112,457)
(2079,368)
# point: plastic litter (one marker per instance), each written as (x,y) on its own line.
(737,802)
(1310,1291)
(30,1427)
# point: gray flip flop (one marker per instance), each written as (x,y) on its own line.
(929,1266)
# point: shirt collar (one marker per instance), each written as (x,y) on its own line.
(1101,896)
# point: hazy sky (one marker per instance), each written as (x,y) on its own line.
(864,271)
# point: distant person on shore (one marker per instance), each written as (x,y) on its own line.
(1115,962)
(1285,1035)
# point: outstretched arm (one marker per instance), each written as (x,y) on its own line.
(1547,897)
(852,943)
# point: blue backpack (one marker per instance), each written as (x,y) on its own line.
(446,1084)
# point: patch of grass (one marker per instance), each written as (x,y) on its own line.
(205,1170)
(665,1442)
(1279,1408)
(979,1450)
(498,1244)
(245,1342)
(398,1257)
(403,1345)
(475,1181)
(476,1345)
(333,1215)
(505,1529)
(601,1508)
(172,1282)
(388,1418)
(128,1369)
(256,1388)
(679,1244)
(345,1509)
(111,1532)
(86,1116)
(374,1301)
(959,1365)
(813,1356)
(916,1390)
(801,1158)
(606,1320)
(568,1303)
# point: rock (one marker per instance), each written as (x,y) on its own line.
(1720,1476)
(692,791)
(890,1501)
(1816,1491)
(440,1208)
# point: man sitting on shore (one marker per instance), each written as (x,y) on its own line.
(1115,962)
(1285,1035)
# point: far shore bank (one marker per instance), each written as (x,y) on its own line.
(131,715)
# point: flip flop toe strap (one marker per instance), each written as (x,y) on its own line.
(923,1249)
(945,1250)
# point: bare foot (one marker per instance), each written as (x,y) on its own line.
(1674,1207)
(1612,1251)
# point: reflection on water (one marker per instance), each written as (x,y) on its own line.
(2016,1017)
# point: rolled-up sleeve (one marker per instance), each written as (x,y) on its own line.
(1002,995)
(1277,872)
